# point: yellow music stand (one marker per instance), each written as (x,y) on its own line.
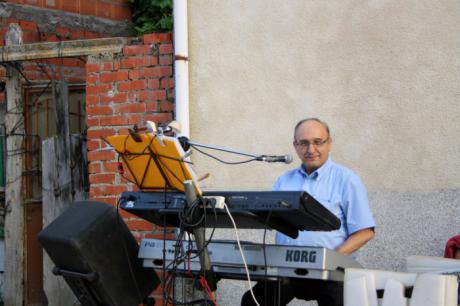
(155,162)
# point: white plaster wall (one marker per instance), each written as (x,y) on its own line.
(384,74)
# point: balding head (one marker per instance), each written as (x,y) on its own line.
(312,142)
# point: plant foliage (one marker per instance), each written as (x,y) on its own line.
(152,16)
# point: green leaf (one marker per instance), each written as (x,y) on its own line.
(151,16)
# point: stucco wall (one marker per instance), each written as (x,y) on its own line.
(385,76)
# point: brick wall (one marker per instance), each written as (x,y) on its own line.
(130,89)
(110,9)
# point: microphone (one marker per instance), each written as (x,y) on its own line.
(275,158)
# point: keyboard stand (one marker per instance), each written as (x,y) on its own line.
(199,233)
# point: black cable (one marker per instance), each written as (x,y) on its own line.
(265,254)
(220,160)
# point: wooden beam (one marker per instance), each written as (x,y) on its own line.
(68,48)
(14,189)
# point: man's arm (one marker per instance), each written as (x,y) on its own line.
(355,241)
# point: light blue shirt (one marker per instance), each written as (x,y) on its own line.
(338,189)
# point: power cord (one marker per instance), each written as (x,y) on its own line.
(242,255)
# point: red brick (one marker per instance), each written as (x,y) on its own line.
(105,178)
(92,79)
(152,95)
(92,122)
(93,144)
(153,83)
(107,190)
(137,50)
(28,25)
(98,89)
(151,106)
(156,38)
(161,71)
(107,66)
(91,35)
(120,97)
(63,32)
(166,106)
(93,68)
(135,74)
(159,117)
(101,155)
(116,98)
(99,110)
(92,133)
(126,215)
(78,34)
(94,167)
(103,9)
(139,225)
(73,62)
(30,37)
(110,167)
(166,83)
(92,99)
(132,108)
(132,62)
(121,12)
(120,120)
(70,6)
(131,85)
(166,48)
(113,76)
(87,8)
(115,189)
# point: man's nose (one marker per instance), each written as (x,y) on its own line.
(311,148)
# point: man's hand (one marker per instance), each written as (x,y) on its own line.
(355,241)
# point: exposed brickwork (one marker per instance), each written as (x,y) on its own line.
(129,89)
(110,9)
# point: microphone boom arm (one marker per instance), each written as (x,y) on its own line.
(267,158)
(223,149)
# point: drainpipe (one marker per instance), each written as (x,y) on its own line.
(181,65)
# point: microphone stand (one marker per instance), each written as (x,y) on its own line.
(223,149)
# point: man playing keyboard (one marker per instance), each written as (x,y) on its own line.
(338,189)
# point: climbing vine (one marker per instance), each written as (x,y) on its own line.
(152,16)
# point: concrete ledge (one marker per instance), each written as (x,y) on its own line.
(67,48)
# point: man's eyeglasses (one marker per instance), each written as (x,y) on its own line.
(315,143)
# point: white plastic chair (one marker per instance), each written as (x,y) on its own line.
(361,285)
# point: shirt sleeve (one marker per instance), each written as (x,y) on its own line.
(356,206)
(276,185)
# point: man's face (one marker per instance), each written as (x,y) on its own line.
(312,144)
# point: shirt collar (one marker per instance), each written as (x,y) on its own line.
(318,172)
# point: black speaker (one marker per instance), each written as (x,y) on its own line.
(96,254)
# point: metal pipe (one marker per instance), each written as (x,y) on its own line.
(181,78)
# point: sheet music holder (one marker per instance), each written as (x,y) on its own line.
(155,162)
